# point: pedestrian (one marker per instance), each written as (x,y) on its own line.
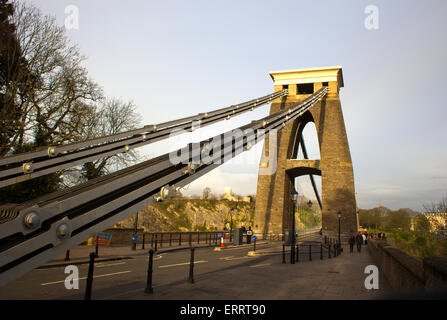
(351,243)
(366,238)
(249,234)
(358,242)
(384,236)
(363,238)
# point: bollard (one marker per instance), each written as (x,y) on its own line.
(292,254)
(156,242)
(149,273)
(191,266)
(88,288)
(321,251)
(297,253)
(67,255)
(335,250)
(283,253)
(254,244)
(310,252)
(179,238)
(142,245)
(161,240)
(329,251)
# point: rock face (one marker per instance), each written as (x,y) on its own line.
(192,215)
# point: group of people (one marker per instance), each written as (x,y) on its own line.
(362,239)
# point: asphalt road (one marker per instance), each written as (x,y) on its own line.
(116,279)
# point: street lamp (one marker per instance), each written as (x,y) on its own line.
(292,247)
(231,223)
(339,227)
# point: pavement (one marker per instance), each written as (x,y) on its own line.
(267,278)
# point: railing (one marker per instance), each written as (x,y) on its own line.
(310,250)
(160,239)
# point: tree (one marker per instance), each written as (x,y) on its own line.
(421,224)
(435,207)
(397,220)
(46,95)
(206,193)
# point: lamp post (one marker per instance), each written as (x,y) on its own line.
(339,227)
(231,224)
(292,247)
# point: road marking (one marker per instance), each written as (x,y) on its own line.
(223,258)
(83,278)
(237,258)
(181,264)
(261,265)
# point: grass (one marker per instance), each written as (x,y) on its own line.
(416,244)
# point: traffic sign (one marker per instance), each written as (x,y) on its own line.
(255,238)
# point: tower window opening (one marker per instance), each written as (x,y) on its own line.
(306,88)
(286,86)
(325,84)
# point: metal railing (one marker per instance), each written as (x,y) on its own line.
(311,250)
(170,239)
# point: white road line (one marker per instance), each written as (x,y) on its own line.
(181,264)
(223,258)
(83,278)
(238,258)
(261,265)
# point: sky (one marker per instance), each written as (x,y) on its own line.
(180,58)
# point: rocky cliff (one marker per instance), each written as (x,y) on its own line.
(192,215)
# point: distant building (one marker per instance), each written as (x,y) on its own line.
(437,220)
(228,195)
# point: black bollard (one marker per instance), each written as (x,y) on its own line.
(310,252)
(254,244)
(329,251)
(180,239)
(67,255)
(149,273)
(88,288)
(283,253)
(142,245)
(292,254)
(191,266)
(321,251)
(297,253)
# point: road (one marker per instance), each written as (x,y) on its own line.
(118,278)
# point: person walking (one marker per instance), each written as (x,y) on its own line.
(358,242)
(351,242)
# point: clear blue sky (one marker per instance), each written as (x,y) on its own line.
(177,58)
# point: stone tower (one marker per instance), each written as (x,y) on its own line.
(273,197)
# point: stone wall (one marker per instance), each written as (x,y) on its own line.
(405,273)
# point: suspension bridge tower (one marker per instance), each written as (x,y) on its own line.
(273,198)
